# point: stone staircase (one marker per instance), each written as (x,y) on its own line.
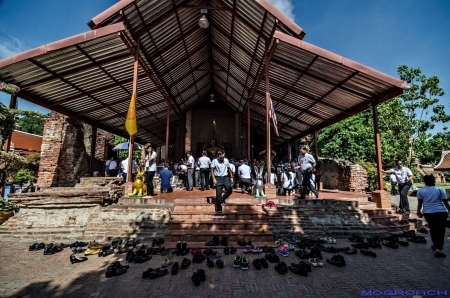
(198,222)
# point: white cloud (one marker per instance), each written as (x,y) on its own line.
(9,46)
(285,6)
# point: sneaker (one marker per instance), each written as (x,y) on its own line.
(283,250)
(257,264)
(263,263)
(248,250)
(244,263)
(257,250)
(237,261)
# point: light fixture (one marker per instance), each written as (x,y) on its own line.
(212,98)
(203,22)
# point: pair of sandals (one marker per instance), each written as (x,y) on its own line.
(168,261)
(315,262)
(329,240)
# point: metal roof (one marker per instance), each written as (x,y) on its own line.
(89,76)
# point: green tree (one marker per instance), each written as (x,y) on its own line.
(123,154)
(405,123)
(34,125)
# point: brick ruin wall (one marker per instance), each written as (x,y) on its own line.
(343,175)
(65,151)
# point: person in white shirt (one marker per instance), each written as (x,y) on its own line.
(113,169)
(107,166)
(404,180)
(222,176)
(197,173)
(393,185)
(233,170)
(149,157)
(306,165)
(124,166)
(190,171)
(245,181)
(204,164)
(287,179)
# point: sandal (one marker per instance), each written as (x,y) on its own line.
(168,261)
(296,248)
(279,242)
(313,262)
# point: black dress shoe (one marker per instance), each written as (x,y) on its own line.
(157,273)
(178,248)
(75,259)
(298,270)
(33,247)
(213,242)
(202,274)
(390,244)
(224,241)
(115,271)
(368,253)
(233,250)
(263,263)
(174,269)
(219,263)
(257,264)
(185,263)
(196,278)
(281,268)
(337,260)
(117,264)
(226,250)
(210,262)
(303,265)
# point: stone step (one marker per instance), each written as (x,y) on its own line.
(226,214)
(189,206)
(204,236)
(380,211)
(220,247)
(379,219)
(217,224)
(396,228)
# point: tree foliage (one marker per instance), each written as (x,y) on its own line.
(405,123)
(123,154)
(34,125)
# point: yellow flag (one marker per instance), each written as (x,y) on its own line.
(130,122)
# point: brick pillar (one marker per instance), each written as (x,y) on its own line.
(270,191)
(382,198)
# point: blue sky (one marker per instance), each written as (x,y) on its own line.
(382,34)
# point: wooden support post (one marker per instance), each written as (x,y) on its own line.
(93,145)
(316,144)
(268,150)
(13,106)
(249,156)
(377,146)
(166,154)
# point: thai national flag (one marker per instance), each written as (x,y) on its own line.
(273,116)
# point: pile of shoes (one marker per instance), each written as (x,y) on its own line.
(153,273)
(337,260)
(37,246)
(52,248)
(116,269)
(198,276)
(240,262)
(94,248)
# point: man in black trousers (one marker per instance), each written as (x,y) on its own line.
(221,176)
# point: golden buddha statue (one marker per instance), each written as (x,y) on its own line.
(213,148)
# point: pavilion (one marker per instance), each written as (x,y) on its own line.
(243,52)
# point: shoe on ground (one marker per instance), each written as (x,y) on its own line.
(210,262)
(233,250)
(202,274)
(174,269)
(157,273)
(368,253)
(440,255)
(220,263)
(390,244)
(244,263)
(237,261)
(337,260)
(281,268)
(213,242)
(185,263)
(257,264)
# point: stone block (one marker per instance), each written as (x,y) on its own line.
(382,198)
